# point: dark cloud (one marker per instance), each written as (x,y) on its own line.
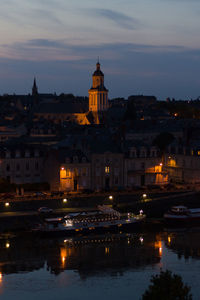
(45,43)
(129,69)
(118,18)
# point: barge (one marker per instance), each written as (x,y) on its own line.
(104,220)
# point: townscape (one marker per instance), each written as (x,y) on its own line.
(99,150)
(64,156)
(80,144)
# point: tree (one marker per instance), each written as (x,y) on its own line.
(163,140)
(167,286)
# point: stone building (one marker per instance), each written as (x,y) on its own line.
(22,164)
(98,94)
(73,110)
(143,166)
(67,170)
(107,170)
(183,164)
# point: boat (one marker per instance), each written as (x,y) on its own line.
(182,214)
(104,220)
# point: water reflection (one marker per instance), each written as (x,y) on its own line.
(185,242)
(97,254)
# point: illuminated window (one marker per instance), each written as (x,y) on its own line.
(198,152)
(67,173)
(107,170)
(84,171)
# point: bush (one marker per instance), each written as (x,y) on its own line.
(167,286)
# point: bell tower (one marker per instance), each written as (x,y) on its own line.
(98,94)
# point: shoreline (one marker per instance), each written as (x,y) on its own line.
(13,219)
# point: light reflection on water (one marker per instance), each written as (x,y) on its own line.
(97,267)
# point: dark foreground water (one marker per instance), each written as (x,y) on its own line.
(115,266)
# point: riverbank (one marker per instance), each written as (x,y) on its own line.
(23,215)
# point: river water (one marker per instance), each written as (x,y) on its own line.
(117,266)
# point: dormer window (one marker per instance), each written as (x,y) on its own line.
(67,160)
(27,153)
(36,153)
(17,154)
(8,154)
(75,159)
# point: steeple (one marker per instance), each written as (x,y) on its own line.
(98,94)
(34,88)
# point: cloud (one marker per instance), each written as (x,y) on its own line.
(118,18)
(129,68)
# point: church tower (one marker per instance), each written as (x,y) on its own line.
(34,88)
(98,94)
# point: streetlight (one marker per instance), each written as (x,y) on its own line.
(110,197)
(144,196)
(7,204)
(65,200)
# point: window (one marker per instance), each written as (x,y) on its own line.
(98,172)
(17,167)
(8,167)
(107,169)
(84,172)
(116,171)
(116,180)
(68,173)
(27,153)
(75,159)
(36,166)
(142,165)
(27,166)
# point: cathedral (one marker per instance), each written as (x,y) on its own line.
(72,110)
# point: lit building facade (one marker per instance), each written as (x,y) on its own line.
(143,166)
(183,164)
(98,94)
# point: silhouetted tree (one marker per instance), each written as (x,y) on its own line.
(130,113)
(163,140)
(167,286)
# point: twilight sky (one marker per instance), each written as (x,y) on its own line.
(149,47)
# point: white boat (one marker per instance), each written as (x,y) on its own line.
(105,219)
(182,213)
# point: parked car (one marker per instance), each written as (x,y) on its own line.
(57,193)
(45,210)
(39,194)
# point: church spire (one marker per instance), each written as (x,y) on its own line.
(34,88)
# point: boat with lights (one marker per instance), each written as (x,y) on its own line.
(104,220)
(182,214)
